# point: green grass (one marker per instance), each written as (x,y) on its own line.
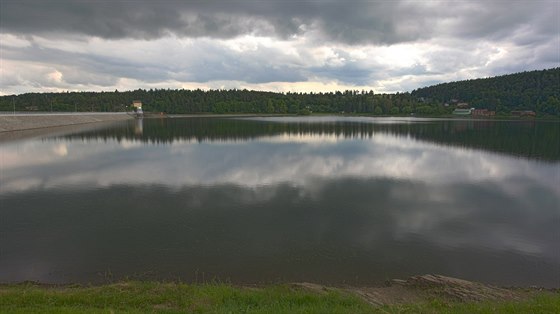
(137,297)
(141,297)
(540,303)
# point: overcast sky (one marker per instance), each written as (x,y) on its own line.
(278,45)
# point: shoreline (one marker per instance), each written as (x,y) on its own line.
(426,280)
(426,293)
(11,123)
(26,122)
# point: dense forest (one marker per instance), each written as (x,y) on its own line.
(538,91)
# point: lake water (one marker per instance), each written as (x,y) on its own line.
(332,200)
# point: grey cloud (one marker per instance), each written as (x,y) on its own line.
(261,65)
(78,68)
(527,21)
(9,81)
(532,58)
(206,62)
(132,19)
(352,22)
(549,53)
(348,74)
(366,72)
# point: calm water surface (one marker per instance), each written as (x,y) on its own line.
(330,200)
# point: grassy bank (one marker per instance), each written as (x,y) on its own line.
(139,297)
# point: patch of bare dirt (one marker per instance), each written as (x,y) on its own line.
(458,289)
(426,288)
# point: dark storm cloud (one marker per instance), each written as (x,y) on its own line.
(341,21)
(139,19)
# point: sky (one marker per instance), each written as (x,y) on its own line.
(276,45)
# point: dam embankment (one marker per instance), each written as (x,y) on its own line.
(19,122)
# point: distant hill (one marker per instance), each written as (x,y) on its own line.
(535,90)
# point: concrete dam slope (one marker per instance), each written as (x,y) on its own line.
(20,122)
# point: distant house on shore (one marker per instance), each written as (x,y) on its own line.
(462,108)
(463,111)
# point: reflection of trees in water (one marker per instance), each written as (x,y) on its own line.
(521,138)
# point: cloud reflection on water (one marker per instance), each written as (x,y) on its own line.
(347,230)
(266,161)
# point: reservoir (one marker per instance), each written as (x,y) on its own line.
(329,200)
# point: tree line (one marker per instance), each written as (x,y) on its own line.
(537,90)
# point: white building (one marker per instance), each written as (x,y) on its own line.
(138,105)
